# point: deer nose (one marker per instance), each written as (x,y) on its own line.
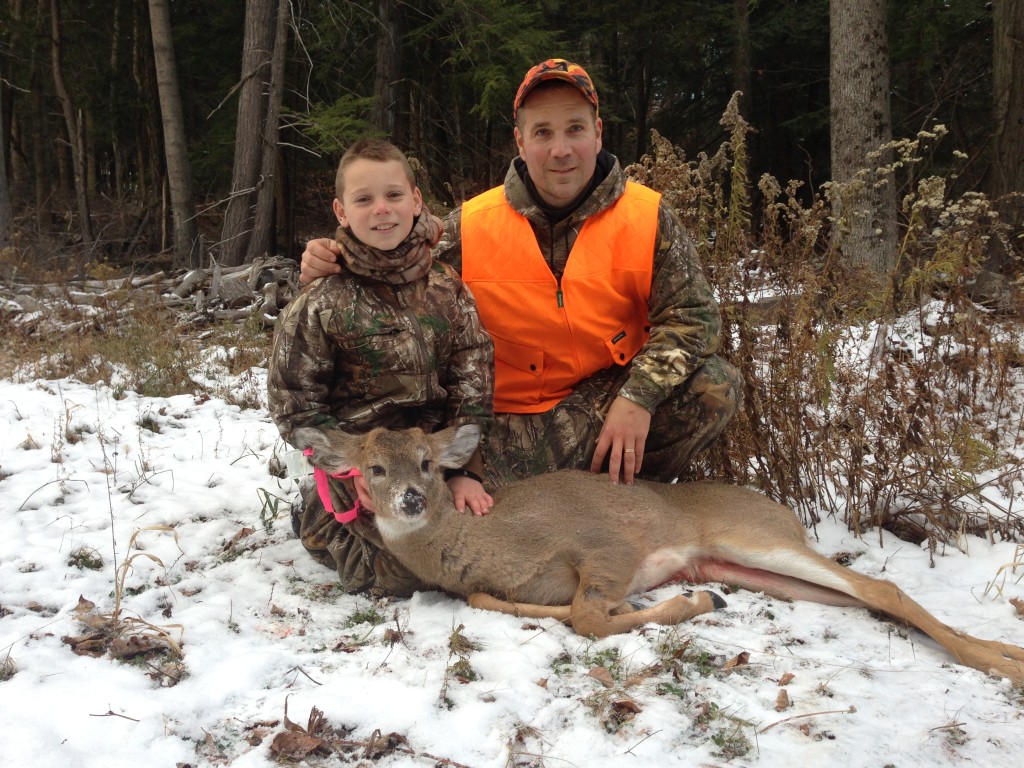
(414,503)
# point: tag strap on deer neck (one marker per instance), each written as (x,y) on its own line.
(322,487)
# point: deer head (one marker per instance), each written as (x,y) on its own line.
(403,470)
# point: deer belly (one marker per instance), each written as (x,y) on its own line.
(664,565)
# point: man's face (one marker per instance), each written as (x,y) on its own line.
(559,139)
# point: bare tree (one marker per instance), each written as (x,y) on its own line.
(263,226)
(1006,175)
(5,195)
(73,122)
(386,71)
(179,171)
(864,200)
(237,228)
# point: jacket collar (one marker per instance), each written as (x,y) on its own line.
(607,186)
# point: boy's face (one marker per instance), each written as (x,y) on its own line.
(379,203)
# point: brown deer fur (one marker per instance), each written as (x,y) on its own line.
(572,546)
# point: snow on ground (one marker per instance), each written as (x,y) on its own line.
(263,627)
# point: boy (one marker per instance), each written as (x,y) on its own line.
(394,340)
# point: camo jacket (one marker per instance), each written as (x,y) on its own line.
(683,314)
(355,353)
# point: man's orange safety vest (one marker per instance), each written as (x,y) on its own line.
(549,336)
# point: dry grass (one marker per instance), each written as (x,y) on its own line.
(133,343)
(895,401)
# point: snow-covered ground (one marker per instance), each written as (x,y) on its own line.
(263,628)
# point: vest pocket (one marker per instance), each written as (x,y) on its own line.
(623,345)
(518,371)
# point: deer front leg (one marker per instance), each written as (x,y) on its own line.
(523,610)
(595,615)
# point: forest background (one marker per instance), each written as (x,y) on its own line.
(864,191)
(114,113)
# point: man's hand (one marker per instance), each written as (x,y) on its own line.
(319,259)
(467,492)
(622,440)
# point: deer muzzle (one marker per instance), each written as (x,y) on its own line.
(413,503)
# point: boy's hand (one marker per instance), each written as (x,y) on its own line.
(467,492)
(319,259)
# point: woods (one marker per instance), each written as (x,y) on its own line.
(172,130)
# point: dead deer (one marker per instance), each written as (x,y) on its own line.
(572,546)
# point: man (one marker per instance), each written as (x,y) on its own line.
(604,327)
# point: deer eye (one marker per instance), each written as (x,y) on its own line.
(425,465)
(376,470)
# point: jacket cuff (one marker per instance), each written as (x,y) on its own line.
(641,390)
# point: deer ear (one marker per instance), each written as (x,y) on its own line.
(456,444)
(333,453)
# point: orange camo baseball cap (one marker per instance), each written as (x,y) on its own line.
(556,69)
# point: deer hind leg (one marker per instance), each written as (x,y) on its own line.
(803,574)
(989,656)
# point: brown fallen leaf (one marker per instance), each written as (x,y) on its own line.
(242,534)
(84,605)
(90,644)
(602,675)
(621,711)
(782,701)
(1018,605)
(786,679)
(134,645)
(740,660)
(296,745)
(543,682)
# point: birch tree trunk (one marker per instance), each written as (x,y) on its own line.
(179,171)
(864,200)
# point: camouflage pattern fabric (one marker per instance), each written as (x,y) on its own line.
(356,353)
(683,425)
(355,550)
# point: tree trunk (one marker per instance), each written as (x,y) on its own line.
(238,218)
(1006,174)
(864,201)
(179,172)
(263,227)
(5,195)
(73,121)
(741,57)
(387,69)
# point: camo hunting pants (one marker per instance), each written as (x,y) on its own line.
(519,445)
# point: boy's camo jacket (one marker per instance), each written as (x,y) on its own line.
(354,353)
